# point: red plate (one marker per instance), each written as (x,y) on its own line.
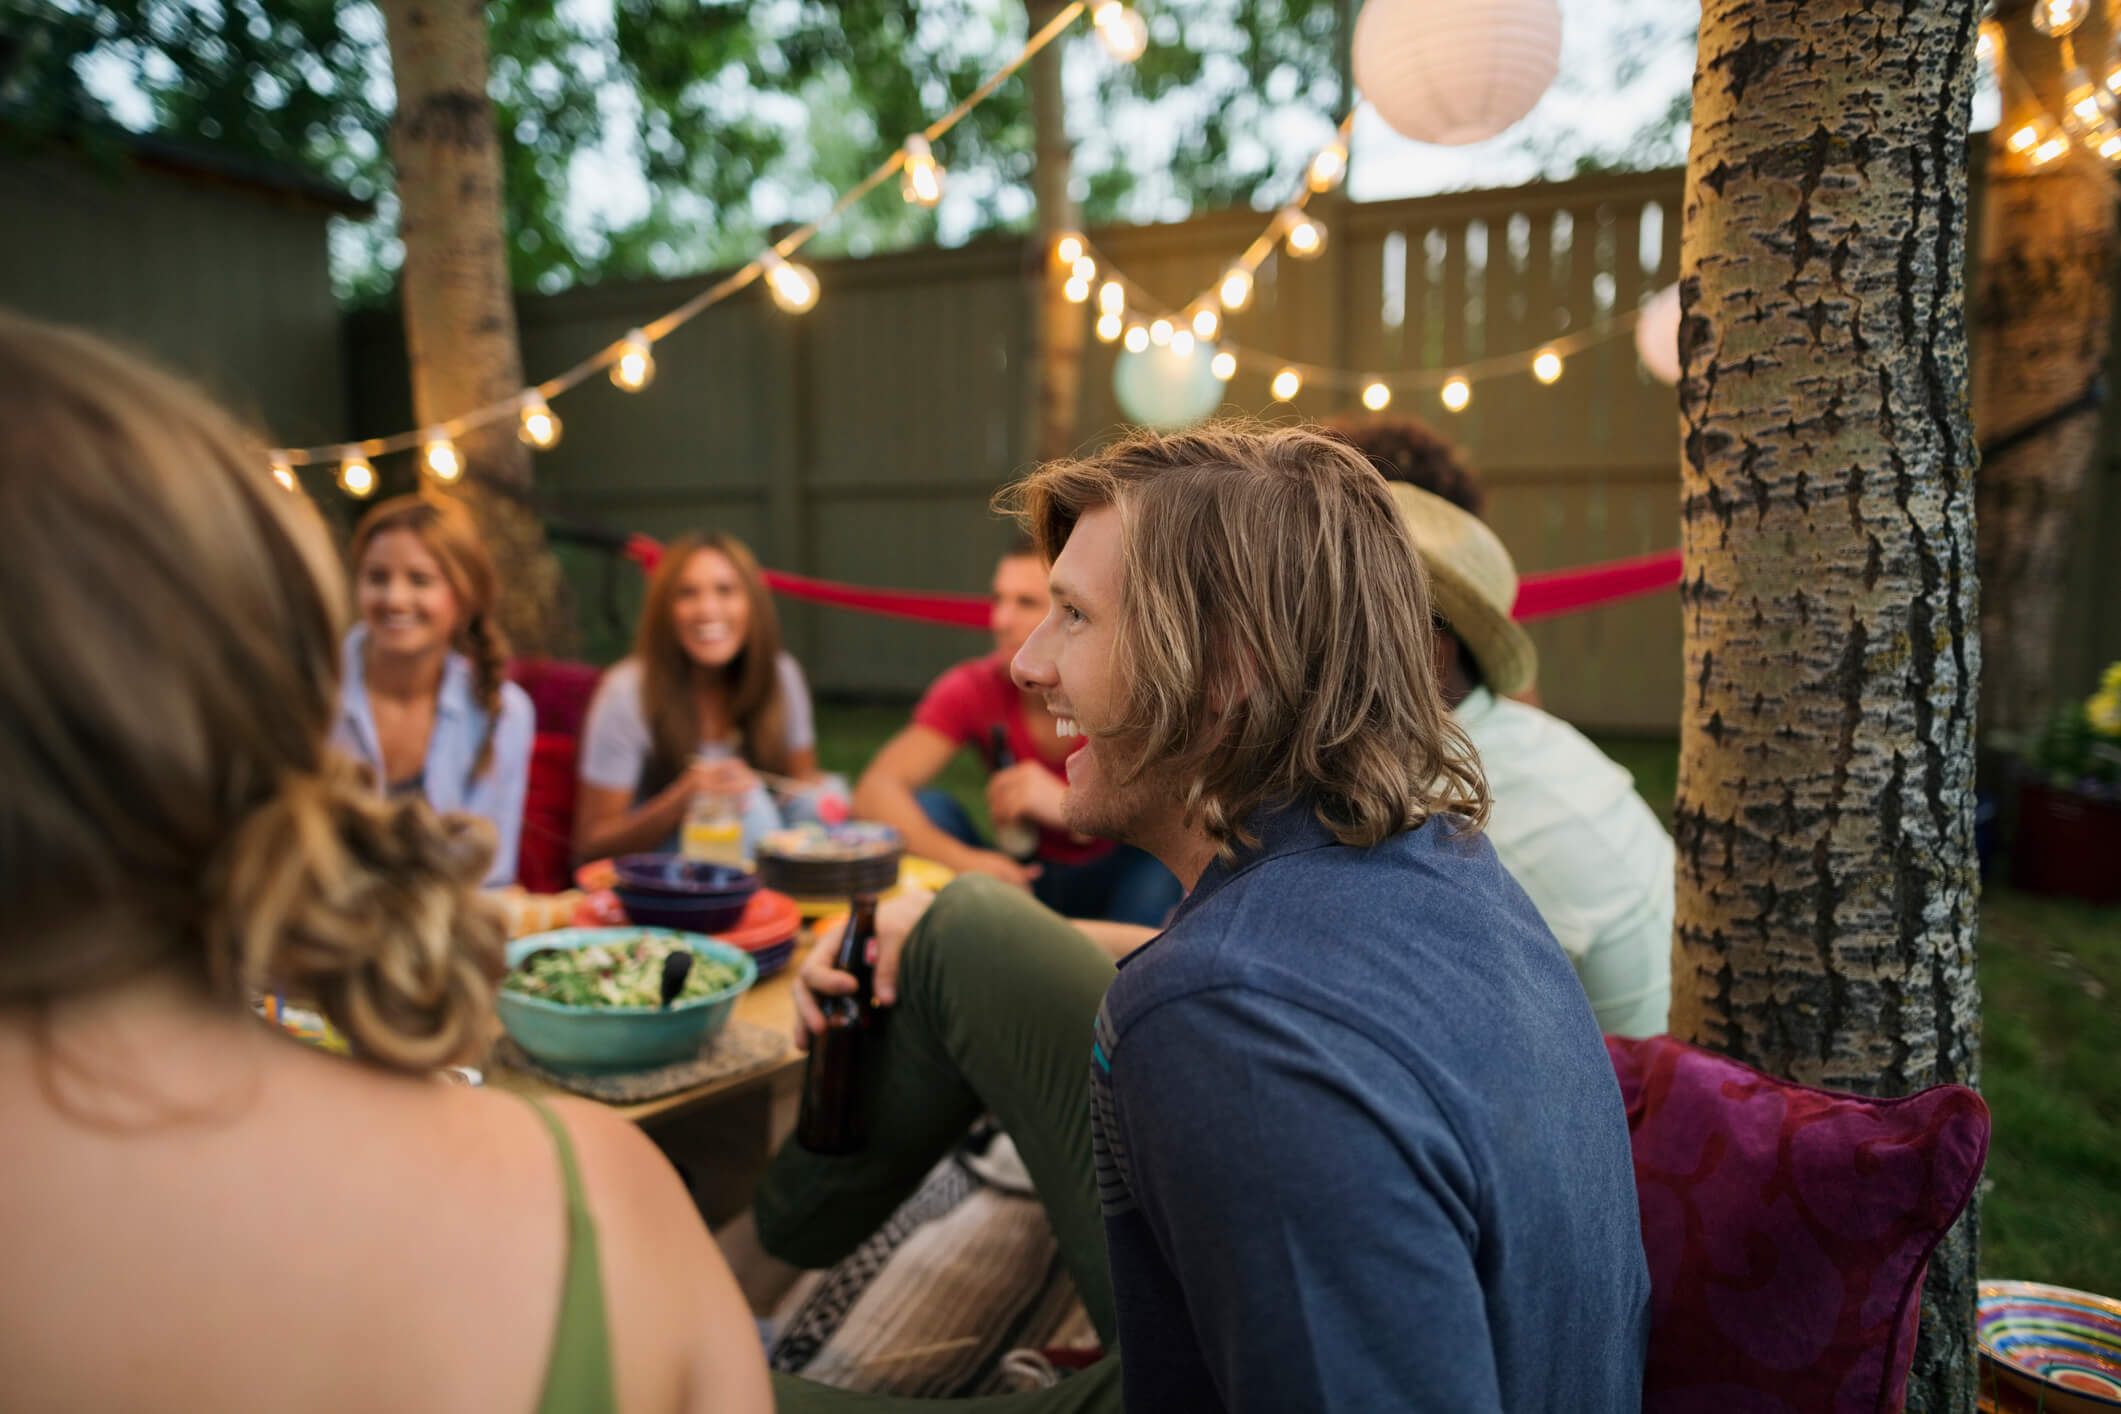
(769,918)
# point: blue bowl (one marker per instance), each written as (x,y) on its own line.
(772,960)
(675,876)
(605,1039)
(714,913)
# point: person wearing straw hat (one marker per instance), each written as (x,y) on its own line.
(1567,820)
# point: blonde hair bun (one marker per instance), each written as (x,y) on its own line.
(369,906)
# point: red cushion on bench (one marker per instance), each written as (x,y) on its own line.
(1787,1229)
(559,689)
(545,854)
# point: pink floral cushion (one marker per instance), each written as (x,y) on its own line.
(1787,1230)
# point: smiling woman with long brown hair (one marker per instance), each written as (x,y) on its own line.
(706,702)
(217,1216)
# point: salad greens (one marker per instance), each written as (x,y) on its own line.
(627,972)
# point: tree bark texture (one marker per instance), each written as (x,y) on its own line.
(1057,367)
(1827,883)
(460,322)
(2046,300)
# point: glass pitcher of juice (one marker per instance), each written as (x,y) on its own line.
(714,829)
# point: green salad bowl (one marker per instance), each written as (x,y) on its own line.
(605,1039)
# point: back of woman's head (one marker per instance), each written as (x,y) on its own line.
(452,537)
(168,668)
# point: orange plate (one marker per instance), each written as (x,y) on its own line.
(769,918)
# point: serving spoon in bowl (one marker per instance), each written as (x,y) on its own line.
(677,966)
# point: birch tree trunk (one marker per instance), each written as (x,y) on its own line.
(1057,365)
(2046,299)
(460,322)
(1827,884)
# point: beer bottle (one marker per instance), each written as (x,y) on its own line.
(1018,838)
(832,1119)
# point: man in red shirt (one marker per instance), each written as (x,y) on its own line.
(1071,874)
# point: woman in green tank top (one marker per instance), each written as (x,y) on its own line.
(219,1217)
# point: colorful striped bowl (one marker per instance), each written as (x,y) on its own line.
(2057,1348)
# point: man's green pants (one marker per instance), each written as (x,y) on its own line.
(997,996)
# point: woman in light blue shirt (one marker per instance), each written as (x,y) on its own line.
(424,699)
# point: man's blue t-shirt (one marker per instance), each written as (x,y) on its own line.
(1359,1146)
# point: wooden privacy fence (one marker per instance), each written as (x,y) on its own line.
(863,441)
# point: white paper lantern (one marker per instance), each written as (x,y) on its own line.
(1165,389)
(1456,71)
(1657,335)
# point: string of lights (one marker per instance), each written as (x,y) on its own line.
(2091,115)
(630,360)
(1130,317)
(1126,313)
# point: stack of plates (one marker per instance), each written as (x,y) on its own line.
(836,861)
(767,931)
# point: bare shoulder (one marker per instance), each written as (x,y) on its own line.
(687,1339)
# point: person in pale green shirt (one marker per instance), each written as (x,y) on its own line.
(1566,819)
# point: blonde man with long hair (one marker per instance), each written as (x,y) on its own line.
(1345,1136)
(199,1212)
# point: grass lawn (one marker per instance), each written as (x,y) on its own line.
(2051,1013)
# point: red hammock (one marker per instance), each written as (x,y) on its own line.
(1539,596)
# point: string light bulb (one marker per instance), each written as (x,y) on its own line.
(540,428)
(1182,342)
(1076,290)
(1205,322)
(635,368)
(1137,338)
(1328,166)
(284,474)
(1456,393)
(2083,97)
(356,477)
(1068,248)
(794,287)
(2055,147)
(1108,326)
(1160,333)
(1111,297)
(920,176)
(1546,365)
(2055,18)
(1303,234)
(1085,269)
(440,455)
(2024,139)
(1123,32)
(1286,385)
(1376,397)
(1223,365)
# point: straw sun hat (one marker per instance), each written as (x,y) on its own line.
(1473,584)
